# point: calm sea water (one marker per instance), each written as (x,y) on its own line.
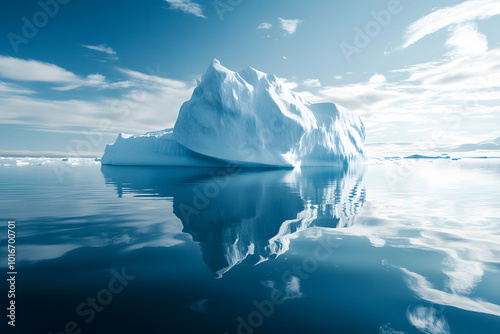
(408,246)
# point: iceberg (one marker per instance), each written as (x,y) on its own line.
(247,118)
(152,149)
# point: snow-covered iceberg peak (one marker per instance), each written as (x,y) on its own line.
(253,118)
(250,118)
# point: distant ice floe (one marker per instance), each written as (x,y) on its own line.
(41,161)
(432,150)
(420,156)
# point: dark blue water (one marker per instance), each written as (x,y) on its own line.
(396,247)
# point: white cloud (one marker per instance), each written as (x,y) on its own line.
(377,79)
(154,79)
(482,145)
(338,77)
(465,40)
(265,25)
(39,112)
(99,80)
(290,84)
(290,26)
(441,18)
(186,6)
(8,88)
(33,70)
(149,102)
(45,154)
(96,80)
(474,73)
(101,48)
(457,97)
(308,96)
(312,83)
(363,97)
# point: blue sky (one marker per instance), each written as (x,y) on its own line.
(415,71)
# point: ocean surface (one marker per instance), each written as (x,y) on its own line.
(396,246)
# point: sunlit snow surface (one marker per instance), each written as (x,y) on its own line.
(415,245)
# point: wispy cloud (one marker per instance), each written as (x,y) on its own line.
(457,96)
(265,25)
(443,17)
(466,40)
(363,97)
(46,154)
(8,88)
(290,84)
(154,79)
(312,83)
(33,70)
(102,48)
(473,74)
(97,81)
(377,79)
(290,26)
(146,101)
(36,71)
(186,6)
(486,145)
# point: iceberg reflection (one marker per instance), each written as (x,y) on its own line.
(246,214)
